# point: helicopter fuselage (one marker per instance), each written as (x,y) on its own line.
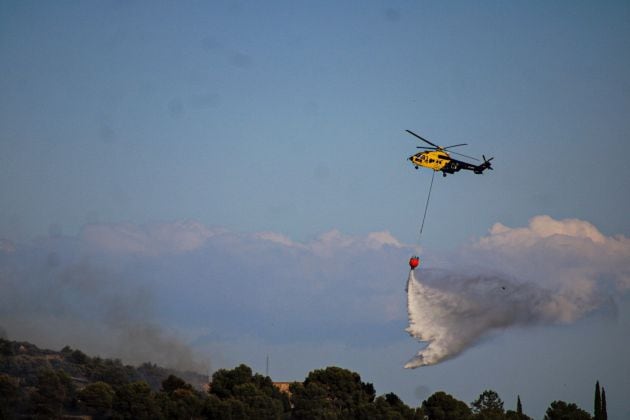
(436,160)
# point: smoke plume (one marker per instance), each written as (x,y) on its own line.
(53,299)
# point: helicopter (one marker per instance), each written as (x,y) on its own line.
(438,159)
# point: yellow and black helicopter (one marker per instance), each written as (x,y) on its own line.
(438,159)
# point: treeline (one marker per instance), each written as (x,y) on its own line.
(38,383)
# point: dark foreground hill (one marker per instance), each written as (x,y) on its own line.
(45,384)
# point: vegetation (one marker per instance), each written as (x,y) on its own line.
(36,383)
(559,410)
(488,406)
(442,406)
(518,414)
(599,408)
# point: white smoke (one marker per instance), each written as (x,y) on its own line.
(560,270)
(455,315)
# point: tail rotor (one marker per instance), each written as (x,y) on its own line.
(486,162)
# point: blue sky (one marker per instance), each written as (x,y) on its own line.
(288,118)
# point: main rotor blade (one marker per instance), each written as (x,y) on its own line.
(427,148)
(455,145)
(423,139)
(466,156)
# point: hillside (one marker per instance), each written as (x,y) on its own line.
(42,383)
(25,361)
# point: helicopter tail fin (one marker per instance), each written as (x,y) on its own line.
(485,165)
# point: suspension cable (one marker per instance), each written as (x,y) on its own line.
(426,207)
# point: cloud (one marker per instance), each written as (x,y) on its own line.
(334,241)
(540,227)
(151,240)
(571,254)
(552,271)
(185,236)
(277,238)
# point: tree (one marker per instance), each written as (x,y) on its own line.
(442,406)
(518,414)
(135,401)
(513,415)
(560,410)
(173,383)
(97,398)
(488,406)
(604,410)
(54,389)
(79,357)
(230,409)
(225,380)
(9,396)
(257,403)
(597,409)
(391,407)
(310,400)
(181,403)
(332,393)
(110,371)
(256,395)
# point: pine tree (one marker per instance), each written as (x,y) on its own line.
(597,409)
(604,411)
(519,406)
